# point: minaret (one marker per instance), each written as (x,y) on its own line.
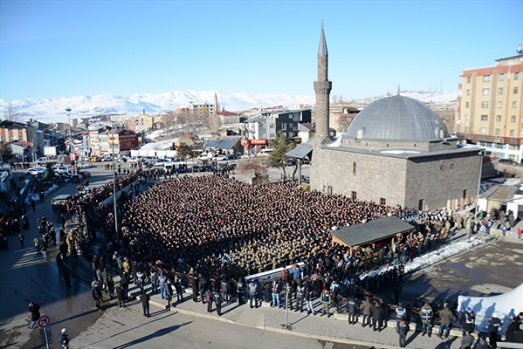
(216,105)
(323,88)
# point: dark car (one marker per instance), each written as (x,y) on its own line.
(4,243)
(195,168)
(208,167)
(84,173)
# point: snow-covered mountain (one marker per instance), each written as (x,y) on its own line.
(53,109)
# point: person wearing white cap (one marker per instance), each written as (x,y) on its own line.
(494,325)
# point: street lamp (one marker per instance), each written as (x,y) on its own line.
(114,184)
(68,110)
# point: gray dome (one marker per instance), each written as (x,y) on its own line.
(397,118)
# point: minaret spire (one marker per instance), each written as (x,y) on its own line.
(322,87)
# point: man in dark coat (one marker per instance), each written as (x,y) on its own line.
(217,297)
(34,309)
(377,316)
(145,303)
(351,309)
(494,325)
(97,296)
(121,296)
(169,294)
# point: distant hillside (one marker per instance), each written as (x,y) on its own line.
(53,109)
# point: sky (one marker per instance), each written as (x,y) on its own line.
(71,48)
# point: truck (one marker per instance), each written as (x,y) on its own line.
(50,151)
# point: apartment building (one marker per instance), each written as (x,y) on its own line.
(490,107)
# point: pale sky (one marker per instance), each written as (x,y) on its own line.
(70,48)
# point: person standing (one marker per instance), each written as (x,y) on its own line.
(469,319)
(253,293)
(178,287)
(34,309)
(218,301)
(275,292)
(300,296)
(169,294)
(377,316)
(400,314)
(97,296)
(145,303)
(366,309)
(445,316)
(426,319)
(239,290)
(208,299)
(326,300)
(162,281)
(21,238)
(351,309)
(309,297)
(121,296)
(494,325)
(403,329)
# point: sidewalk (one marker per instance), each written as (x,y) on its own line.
(330,329)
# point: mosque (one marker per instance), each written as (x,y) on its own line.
(395,152)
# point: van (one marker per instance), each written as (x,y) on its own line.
(266,152)
(59,201)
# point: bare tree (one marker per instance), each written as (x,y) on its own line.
(11,115)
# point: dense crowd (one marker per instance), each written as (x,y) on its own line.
(216,225)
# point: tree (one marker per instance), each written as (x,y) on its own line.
(280,146)
(11,115)
(6,153)
(183,150)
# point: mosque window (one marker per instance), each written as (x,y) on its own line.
(483,130)
(500,91)
(513,118)
(486,91)
(484,117)
(498,132)
(514,104)
(516,76)
(486,78)
(484,105)
(500,105)
(515,90)
(498,118)
(501,77)
(512,133)
(354,167)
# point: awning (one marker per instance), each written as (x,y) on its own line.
(372,231)
(300,151)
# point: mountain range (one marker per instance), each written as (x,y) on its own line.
(50,110)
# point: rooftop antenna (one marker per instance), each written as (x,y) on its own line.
(398,90)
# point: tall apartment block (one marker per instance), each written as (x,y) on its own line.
(490,107)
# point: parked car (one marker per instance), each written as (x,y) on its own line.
(107,159)
(220,158)
(35,171)
(83,173)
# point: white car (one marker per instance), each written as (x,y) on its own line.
(220,158)
(35,171)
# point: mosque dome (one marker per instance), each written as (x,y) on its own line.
(397,118)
